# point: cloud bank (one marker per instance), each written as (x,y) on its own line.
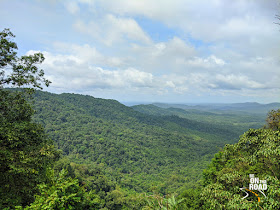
(167,50)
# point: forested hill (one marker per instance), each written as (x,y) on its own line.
(235,120)
(139,151)
(249,107)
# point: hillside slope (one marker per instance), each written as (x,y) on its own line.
(238,121)
(141,152)
(249,107)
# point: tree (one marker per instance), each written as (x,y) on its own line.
(277,17)
(7,47)
(25,150)
(64,192)
(257,152)
(273,119)
(21,71)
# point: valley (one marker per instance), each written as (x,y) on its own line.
(143,148)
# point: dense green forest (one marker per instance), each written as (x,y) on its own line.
(240,120)
(71,151)
(141,152)
(227,109)
(120,153)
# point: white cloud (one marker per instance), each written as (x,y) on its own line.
(87,54)
(161,57)
(245,25)
(72,7)
(75,72)
(100,78)
(236,82)
(203,63)
(111,29)
(216,47)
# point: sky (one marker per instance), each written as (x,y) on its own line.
(171,51)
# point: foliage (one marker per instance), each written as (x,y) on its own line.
(119,152)
(25,151)
(156,201)
(257,152)
(142,153)
(277,17)
(93,178)
(216,119)
(22,71)
(64,192)
(192,199)
(273,119)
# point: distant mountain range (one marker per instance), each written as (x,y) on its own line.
(251,107)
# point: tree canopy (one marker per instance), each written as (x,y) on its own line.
(25,150)
(19,71)
(258,153)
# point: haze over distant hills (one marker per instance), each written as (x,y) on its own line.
(251,107)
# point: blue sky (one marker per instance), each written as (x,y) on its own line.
(175,51)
